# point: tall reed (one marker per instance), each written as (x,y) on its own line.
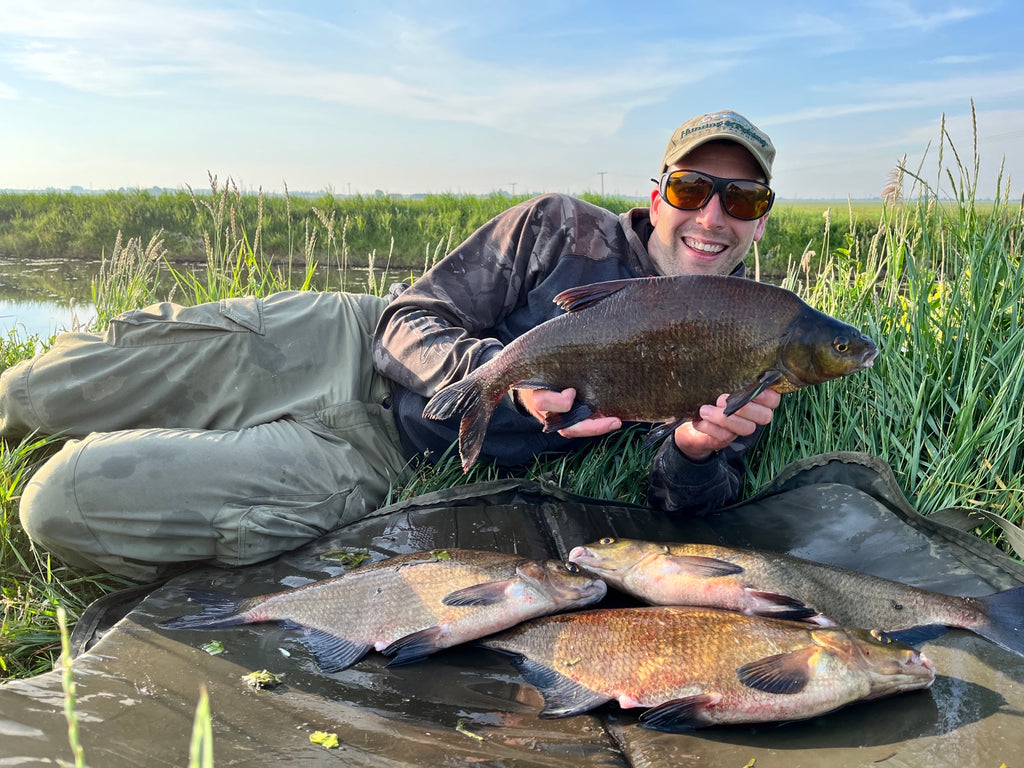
(942,288)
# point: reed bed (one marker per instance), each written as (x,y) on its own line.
(298,229)
(935,279)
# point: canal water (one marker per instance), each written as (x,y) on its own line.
(45,296)
(41,297)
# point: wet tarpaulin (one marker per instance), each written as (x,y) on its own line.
(138,685)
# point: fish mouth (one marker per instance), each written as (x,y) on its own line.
(915,672)
(583,556)
(867,360)
(580,595)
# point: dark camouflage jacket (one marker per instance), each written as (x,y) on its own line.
(495,286)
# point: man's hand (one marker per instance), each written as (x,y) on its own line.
(542,401)
(713,430)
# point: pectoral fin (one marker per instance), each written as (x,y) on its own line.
(738,399)
(701,567)
(479,594)
(784,673)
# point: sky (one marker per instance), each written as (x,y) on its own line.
(523,97)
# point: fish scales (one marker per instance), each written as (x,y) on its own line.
(660,653)
(407,606)
(656,349)
(634,338)
(404,591)
(775,584)
(702,666)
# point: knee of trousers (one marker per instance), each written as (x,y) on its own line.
(50,514)
(16,414)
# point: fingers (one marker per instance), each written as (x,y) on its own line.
(541,402)
(713,430)
(754,414)
(547,400)
(600,425)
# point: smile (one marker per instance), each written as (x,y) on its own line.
(711,248)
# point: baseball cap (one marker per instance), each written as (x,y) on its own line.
(726,125)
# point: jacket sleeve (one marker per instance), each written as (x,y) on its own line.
(681,485)
(431,335)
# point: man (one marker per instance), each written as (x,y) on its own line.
(230,432)
(499,283)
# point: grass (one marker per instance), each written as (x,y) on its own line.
(942,288)
(934,277)
(32,587)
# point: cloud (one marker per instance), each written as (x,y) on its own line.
(110,47)
(578,105)
(112,20)
(954,61)
(92,72)
(121,50)
(992,88)
(903,15)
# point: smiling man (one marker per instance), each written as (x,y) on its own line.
(711,203)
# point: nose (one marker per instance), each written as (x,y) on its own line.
(712,215)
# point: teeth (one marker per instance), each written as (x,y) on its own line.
(705,247)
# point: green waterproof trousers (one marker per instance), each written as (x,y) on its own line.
(224,433)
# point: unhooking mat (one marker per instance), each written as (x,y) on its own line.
(138,686)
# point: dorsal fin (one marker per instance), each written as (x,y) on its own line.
(582,296)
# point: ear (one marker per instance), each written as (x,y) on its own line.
(758,230)
(656,202)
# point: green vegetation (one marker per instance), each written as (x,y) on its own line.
(405,233)
(62,224)
(939,285)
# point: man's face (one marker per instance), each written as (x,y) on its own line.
(708,241)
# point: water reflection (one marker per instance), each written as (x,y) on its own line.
(44,318)
(42,297)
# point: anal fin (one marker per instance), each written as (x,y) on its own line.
(562,697)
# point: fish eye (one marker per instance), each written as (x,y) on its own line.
(841,344)
(571,567)
(607,540)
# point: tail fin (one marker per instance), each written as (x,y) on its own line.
(219,610)
(1005,625)
(466,397)
(472,430)
(453,399)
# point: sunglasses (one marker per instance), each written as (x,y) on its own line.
(691,190)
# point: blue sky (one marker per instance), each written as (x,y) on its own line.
(474,97)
